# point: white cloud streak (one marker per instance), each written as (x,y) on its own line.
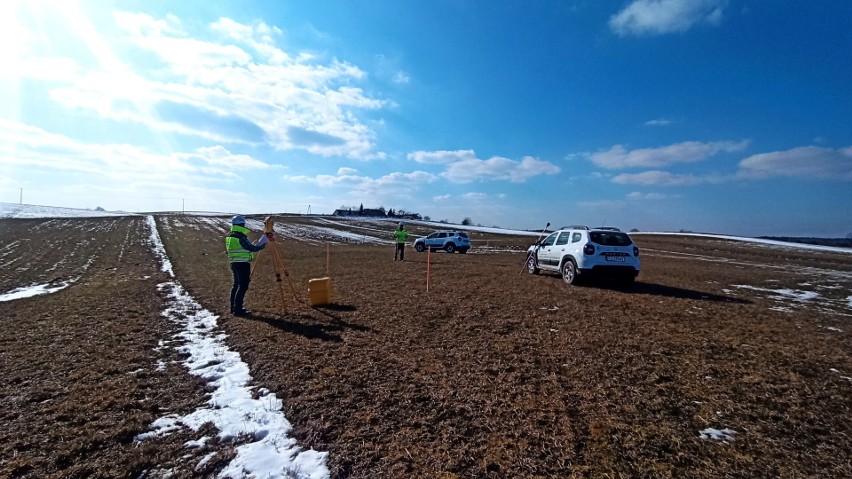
(474,196)
(804,162)
(393,183)
(619,157)
(401,78)
(657,178)
(462,166)
(639,196)
(25,145)
(658,122)
(657,17)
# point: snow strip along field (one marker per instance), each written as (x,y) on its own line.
(231,407)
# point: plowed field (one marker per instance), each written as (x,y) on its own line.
(726,359)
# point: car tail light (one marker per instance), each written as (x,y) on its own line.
(636,251)
(589,249)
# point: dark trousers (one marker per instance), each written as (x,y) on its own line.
(400,251)
(242,276)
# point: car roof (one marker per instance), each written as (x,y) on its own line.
(586,228)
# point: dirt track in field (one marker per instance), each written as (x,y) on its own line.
(493,373)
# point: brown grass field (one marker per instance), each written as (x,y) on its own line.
(492,373)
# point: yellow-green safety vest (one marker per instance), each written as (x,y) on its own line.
(401,236)
(236,252)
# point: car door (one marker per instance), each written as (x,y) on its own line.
(559,249)
(435,240)
(546,253)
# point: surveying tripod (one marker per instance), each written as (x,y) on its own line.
(277,261)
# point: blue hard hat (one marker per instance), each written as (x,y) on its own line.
(238,220)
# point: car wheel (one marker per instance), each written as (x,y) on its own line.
(419,247)
(451,248)
(532,265)
(569,272)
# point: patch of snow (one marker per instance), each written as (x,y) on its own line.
(199,443)
(784,293)
(349,236)
(159,249)
(767,242)
(36,289)
(231,407)
(12,210)
(724,435)
(203,462)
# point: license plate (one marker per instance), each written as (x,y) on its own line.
(617,259)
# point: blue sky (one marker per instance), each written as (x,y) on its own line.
(723,116)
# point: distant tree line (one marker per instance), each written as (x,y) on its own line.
(379,212)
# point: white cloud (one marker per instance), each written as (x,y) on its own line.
(636,195)
(462,166)
(442,198)
(442,157)
(393,183)
(658,122)
(343,171)
(220,156)
(656,17)
(237,88)
(474,196)
(687,152)
(22,144)
(803,162)
(401,78)
(657,178)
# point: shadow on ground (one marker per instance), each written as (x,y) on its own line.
(673,292)
(312,327)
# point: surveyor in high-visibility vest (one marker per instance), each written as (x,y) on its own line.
(400,235)
(240,254)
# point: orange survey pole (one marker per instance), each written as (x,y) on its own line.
(428,267)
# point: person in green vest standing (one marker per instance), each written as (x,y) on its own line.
(400,235)
(240,254)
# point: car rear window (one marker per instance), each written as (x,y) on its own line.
(610,238)
(463,235)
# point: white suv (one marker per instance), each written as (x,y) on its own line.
(450,241)
(576,251)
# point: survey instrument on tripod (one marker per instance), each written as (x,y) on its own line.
(534,255)
(281,272)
